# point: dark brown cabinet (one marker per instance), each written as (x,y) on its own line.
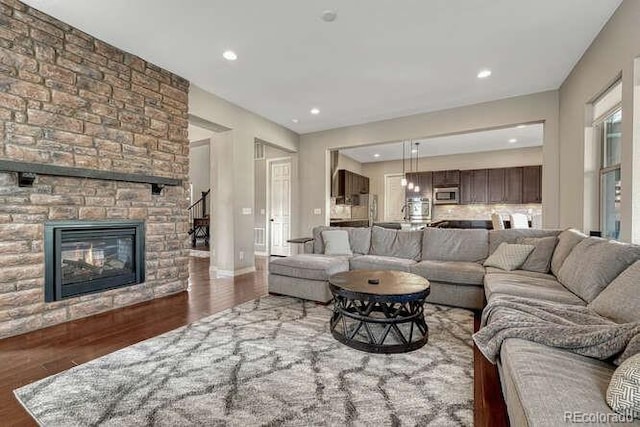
(532,184)
(505,185)
(349,184)
(448,178)
(501,186)
(474,186)
(424,179)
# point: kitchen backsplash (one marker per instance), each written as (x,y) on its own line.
(339,211)
(483,212)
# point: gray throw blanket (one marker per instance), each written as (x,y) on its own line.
(573,328)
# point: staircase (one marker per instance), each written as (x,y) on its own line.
(199,219)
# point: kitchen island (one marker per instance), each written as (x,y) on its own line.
(353,222)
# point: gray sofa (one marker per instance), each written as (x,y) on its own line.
(541,385)
(450,259)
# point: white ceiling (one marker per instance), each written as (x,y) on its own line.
(475,142)
(380,58)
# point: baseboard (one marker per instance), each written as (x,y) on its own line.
(215,272)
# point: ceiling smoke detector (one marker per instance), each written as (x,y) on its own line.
(329,15)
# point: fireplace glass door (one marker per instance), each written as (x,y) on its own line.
(85,259)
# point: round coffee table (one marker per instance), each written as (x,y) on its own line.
(387,317)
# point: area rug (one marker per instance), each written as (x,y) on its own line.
(268,362)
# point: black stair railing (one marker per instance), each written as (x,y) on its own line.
(199,219)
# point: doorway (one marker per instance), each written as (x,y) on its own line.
(279,206)
(393,197)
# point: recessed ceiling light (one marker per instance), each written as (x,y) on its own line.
(329,15)
(295,120)
(512,140)
(229,55)
(376,155)
(521,126)
(315,111)
(483,74)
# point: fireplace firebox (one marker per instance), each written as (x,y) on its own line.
(83,257)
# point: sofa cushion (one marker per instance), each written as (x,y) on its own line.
(359,239)
(378,262)
(450,244)
(567,240)
(469,273)
(594,263)
(540,259)
(511,235)
(336,242)
(492,270)
(551,383)
(528,287)
(309,266)
(620,301)
(396,243)
(509,256)
(623,393)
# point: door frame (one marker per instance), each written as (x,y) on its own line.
(386,198)
(268,199)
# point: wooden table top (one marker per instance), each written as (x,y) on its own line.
(391,282)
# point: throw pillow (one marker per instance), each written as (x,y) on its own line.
(620,301)
(336,242)
(540,259)
(509,256)
(594,263)
(623,394)
(567,240)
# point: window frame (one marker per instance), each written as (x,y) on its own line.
(600,124)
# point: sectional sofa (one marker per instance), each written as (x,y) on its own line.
(542,386)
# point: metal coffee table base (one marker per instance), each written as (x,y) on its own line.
(379,324)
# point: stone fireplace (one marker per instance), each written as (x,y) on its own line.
(85,257)
(71,102)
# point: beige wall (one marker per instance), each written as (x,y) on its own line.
(349,164)
(610,55)
(199,170)
(232,163)
(314,157)
(493,159)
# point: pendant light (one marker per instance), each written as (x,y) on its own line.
(417,186)
(410,184)
(403,181)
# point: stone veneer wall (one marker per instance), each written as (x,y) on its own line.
(68,99)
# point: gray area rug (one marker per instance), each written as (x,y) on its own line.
(268,362)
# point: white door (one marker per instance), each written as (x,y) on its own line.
(393,198)
(280,207)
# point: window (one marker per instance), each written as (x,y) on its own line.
(609,132)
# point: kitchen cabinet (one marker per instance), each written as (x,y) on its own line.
(532,184)
(424,180)
(448,178)
(474,186)
(505,185)
(349,184)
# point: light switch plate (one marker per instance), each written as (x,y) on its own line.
(246,211)
(263,211)
(317,211)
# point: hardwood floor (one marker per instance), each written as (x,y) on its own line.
(36,355)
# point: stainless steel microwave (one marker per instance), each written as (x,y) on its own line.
(446,196)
